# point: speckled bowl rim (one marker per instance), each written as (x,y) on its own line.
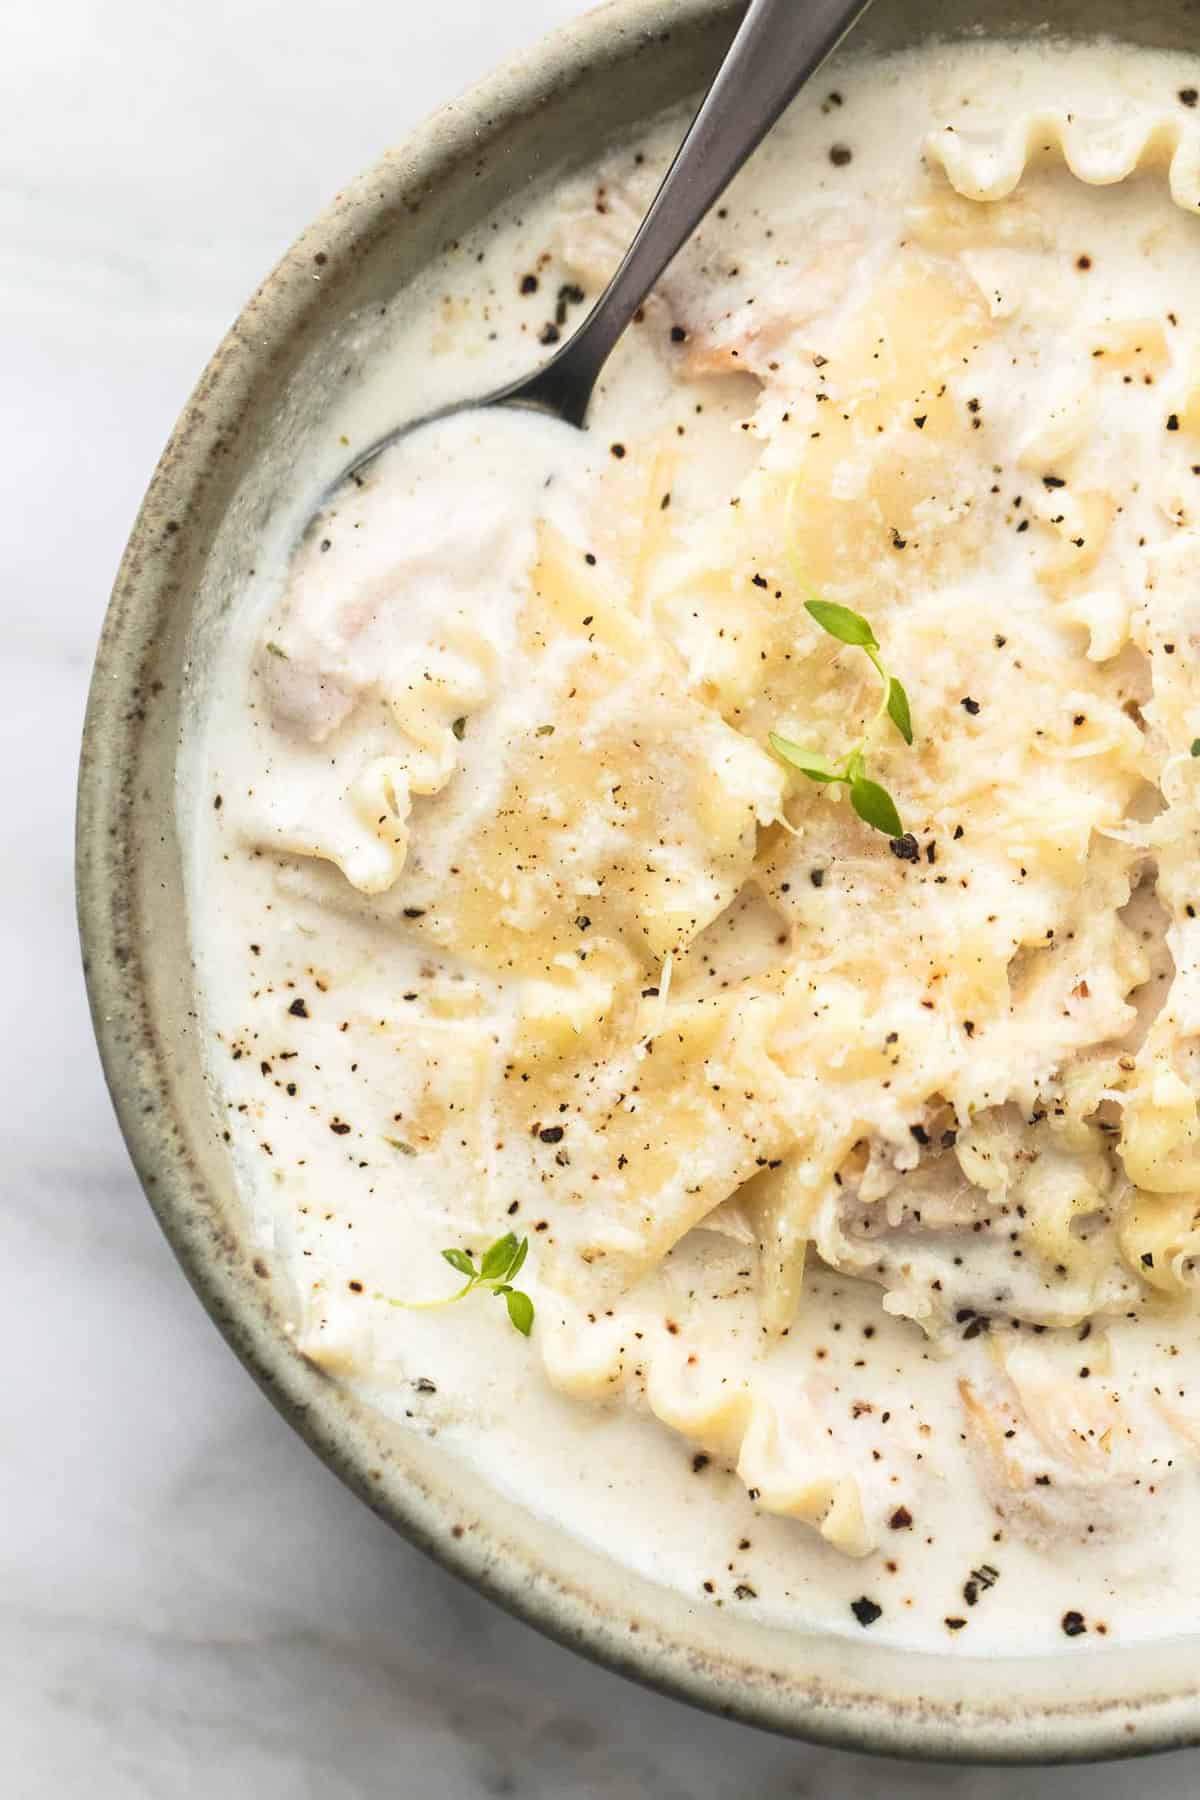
(137,1053)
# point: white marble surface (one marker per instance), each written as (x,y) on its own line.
(189,1604)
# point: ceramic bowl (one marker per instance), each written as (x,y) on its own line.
(229,459)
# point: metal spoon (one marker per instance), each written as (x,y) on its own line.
(779,44)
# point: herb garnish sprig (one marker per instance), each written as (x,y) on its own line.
(873,804)
(500,1263)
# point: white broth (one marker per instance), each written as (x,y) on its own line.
(856,1151)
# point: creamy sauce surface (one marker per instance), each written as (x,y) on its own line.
(862,1237)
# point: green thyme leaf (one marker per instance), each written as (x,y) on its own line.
(515,1266)
(520,1311)
(848,627)
(809,762)
(1196,746)
(501,1261)
(898,712)
(498,1258)
(459,728)
(399,1144)
(875,806)
(275,649)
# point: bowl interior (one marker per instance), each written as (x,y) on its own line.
(231,460)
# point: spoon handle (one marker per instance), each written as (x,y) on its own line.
(779,44)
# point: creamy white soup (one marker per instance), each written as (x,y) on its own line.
(562,875)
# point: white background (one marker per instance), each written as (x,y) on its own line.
(189,1604)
